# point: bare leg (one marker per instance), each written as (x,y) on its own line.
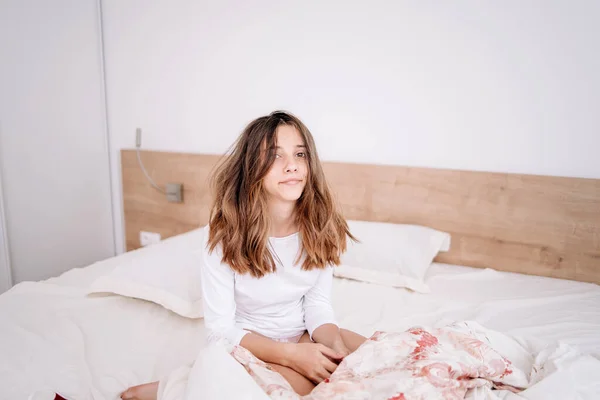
(299,383)
(147,391)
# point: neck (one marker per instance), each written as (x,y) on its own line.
(283,222)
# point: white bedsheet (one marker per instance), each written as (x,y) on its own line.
(529,306)
(53,338)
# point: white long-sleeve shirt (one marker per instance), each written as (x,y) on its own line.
(279,305)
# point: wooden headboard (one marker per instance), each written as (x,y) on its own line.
(538,225)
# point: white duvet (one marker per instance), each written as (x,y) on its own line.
(54,338)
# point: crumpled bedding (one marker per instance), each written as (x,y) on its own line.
(461,360)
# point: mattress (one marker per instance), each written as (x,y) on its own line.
(54,338)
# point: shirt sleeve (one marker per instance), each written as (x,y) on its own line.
(217,281)
(317,303)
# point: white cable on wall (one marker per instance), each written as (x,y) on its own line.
(138,144)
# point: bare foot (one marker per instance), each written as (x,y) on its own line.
(147,391)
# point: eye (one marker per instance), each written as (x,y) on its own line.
(301,155)
(277,156)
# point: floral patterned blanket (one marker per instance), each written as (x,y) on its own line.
(462,360)
(439,363)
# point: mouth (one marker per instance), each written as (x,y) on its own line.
(291,182)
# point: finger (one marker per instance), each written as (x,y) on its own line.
(329,365)
(329,352)
(318,375)
(323,374)
(314,378)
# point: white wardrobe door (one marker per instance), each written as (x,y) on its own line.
(53,141)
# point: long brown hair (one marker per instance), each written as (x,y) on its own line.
(239,218)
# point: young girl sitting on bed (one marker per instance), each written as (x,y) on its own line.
(274,235)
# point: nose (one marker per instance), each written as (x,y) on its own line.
(291,166)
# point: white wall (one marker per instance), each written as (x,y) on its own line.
(53,153)
(505,86)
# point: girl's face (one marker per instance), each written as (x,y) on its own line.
(286,179)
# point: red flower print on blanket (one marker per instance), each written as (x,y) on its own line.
(441,363)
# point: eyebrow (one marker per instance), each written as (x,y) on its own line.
(298,146)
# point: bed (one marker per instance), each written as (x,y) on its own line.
(536,281)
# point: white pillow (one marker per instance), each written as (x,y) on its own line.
(389,254)
(166,273)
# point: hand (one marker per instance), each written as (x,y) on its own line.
(313,360)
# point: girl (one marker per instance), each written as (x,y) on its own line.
(273,236)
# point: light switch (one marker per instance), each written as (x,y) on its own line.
(174,192)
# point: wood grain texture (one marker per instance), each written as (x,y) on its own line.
(145,208)
(538,225)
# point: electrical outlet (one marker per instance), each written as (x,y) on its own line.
(148,238)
